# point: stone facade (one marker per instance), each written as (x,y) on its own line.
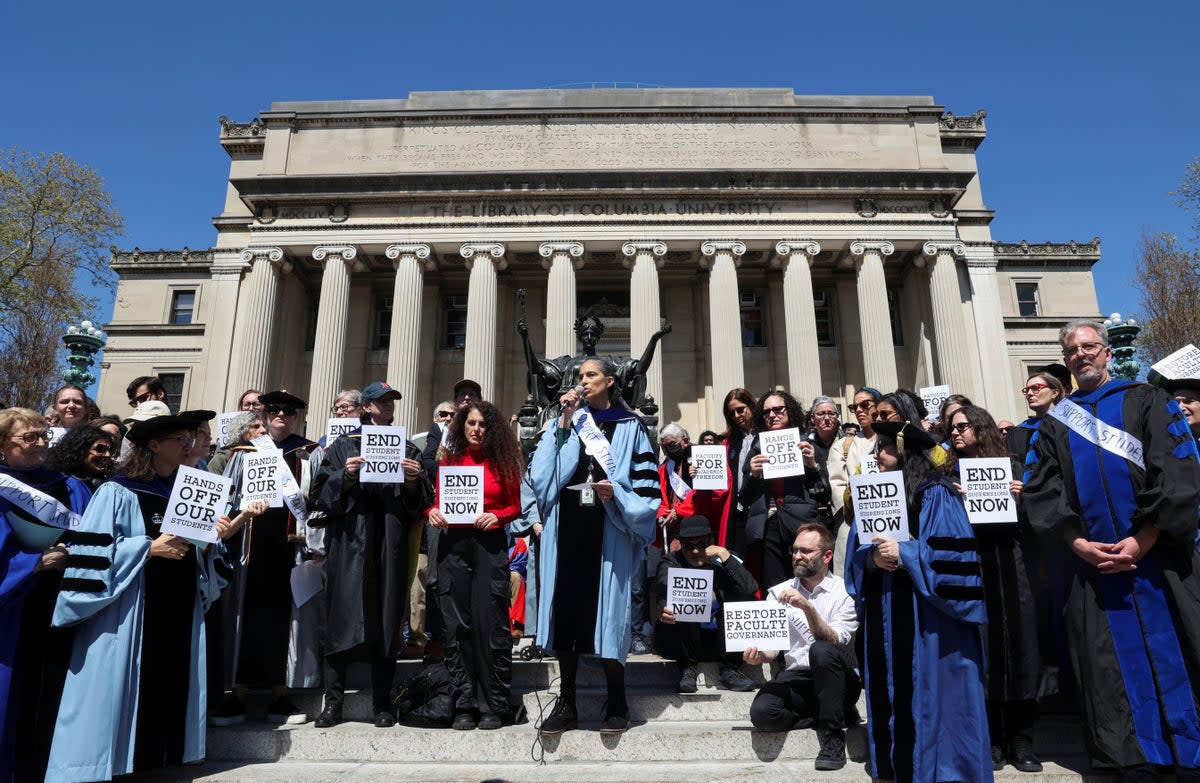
(809,242)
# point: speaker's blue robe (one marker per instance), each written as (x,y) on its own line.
(922,632)
(96,731)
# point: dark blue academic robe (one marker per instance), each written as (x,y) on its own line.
(16,572)
(922,636)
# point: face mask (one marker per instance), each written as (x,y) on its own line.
(675,451)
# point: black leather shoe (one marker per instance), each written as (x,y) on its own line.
(329,717)
(561,718)
(490,721)
(1021,755)
(832,754)
(615,724)
(385,719)
(464,721)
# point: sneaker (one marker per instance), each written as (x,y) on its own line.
(562,718)
(329,717)
(615,724)
(997,758)
(687,680)
(730,678)
(230,712)
(638,646)
(284,712)
(1021,754)
(833,749)
(385,719)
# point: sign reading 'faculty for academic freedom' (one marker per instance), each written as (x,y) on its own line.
(711,469)
(197,501)
(880,506)
(383,450)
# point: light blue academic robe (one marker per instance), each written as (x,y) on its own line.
(96,730)
(629,516)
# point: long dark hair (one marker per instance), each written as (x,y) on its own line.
(989,441)
(500,446)
(70,454)
(918,470)
(732,431)
(139,462)
(795,410)
(907,404)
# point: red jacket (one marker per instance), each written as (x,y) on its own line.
(712,504)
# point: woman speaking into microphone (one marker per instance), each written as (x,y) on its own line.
(596,483)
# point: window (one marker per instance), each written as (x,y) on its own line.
(893,297)
(753,331)
(383,323)
(183,303)
(823,307)
(173,383)
(1027,299)
(455,322)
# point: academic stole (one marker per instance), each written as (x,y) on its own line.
(594,442)
(33,504)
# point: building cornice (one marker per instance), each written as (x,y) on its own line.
(1026,254)
(125,261)
(968,130)
(242,137)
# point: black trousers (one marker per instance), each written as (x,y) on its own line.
(473,595)
(688,644)
(383,674)
(822,694)
(776,554)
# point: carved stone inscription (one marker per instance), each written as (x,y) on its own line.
(567,145)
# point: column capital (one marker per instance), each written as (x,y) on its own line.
(418,250)
(347,253)
(656,249)
(786,248)
(271,253)
(574,250)
(861,247)
(714,247)
(471,250)
(933,248)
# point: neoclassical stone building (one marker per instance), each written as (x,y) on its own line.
(810,242)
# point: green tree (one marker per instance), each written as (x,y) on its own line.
(1168,278)
(56,225)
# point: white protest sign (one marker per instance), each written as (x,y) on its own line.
(197,501)
(260,471)
(307,579)
(383,448)
(868,464)
(986,486)
(880,506)
(1184,363)
(689,594)
(783,447)
(336,428)
(933,397)
(711,470)
(56,434)
(224,427)
(761,624)
(460,493)
(264,442)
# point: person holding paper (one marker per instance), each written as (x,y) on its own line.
(135,693)
(689,643)
(366,560)
(922,609)
(843,462)
(1006,555)
(679,499)
(778,506)
(818,684)
(1115,477)
(595,481)
(738,409)
(472,567)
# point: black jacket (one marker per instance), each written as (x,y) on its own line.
(802,498)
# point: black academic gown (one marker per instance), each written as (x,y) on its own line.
(1134,636)
(366,550)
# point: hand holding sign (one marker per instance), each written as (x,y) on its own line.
(689,594)
(762,625)
(383,451)
(987,485)
(460,493)
(708,468)
(169,547)
(880,507)
(783,452)
(197,502)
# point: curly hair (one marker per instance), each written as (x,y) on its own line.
(795,410)
(500,446)
(70,454)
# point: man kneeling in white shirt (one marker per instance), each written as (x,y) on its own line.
(818,683)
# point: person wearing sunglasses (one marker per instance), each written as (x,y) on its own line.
(34,658)
(145,388)
(689,644)
(738,410)
(1115,475)
(86,453)
(842,463)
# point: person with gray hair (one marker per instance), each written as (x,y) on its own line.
(1115,476)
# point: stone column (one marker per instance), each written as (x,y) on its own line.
(562,259)
(255,317)
(479,360)
(796,257)
(999,392)
(645,310)
(951,343)
(404,344)
(721,257)
(879,352)
(329,347)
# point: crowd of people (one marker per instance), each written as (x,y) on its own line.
(120,642)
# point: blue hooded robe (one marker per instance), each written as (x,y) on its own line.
(17,566)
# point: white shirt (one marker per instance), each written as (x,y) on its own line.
(833,604)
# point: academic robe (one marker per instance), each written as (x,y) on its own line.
(17,566)
(1134,636)
(104,594)
(712,504)
(923,643)
(628,526)
(366,550)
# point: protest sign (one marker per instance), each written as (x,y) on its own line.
(987,491)
(783,447)
(880,506)
(933,397)
(197,501)
(689,594)
(56,434)
(224,427)
(260,478)
(868,464)
(336,428)
(1184,363)
(264,443)
(761,624)
(460,493)
(383,448)
(711,470)
(307,579)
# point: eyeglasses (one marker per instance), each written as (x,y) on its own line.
(443,414)
(695,543)
(778,410)
(187,441)
(342,407)
(1086,349)
(741,410)
(285,410)
(1034,388)
(30,438)
(865,405)
(138,400)
(101,448)
(962,426)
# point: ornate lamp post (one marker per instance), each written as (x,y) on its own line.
(1121,335)
(83,341)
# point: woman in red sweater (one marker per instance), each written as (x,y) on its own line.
(472,569)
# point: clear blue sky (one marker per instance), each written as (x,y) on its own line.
(1093,108)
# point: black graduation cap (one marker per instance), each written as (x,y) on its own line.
(198,416)
(908,436)
(1058,371)
(282,397)
(143,432)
